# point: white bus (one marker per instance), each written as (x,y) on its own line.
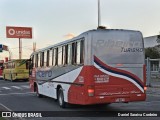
(97,67)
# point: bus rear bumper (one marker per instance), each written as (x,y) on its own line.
(115,99)
(21,77)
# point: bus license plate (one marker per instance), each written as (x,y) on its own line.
(120,100)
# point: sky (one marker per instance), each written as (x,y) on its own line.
(54,21)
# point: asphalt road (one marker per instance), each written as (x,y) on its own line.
(16,96)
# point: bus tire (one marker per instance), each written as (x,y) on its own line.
(37,92)
(11,78)
(61,101)
(4,78)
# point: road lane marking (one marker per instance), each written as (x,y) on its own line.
(153,95)
(8,109)
(151,101)
(7,88)
(17,93)
(25,86)
(16,87)
(5,107)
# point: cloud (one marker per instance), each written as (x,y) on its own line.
(69,35)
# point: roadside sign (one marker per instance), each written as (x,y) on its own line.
(18,32)
(5,47)
(1,47)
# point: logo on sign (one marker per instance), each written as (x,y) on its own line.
(18,32)
(43,74)
(11,32)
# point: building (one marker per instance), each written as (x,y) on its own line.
(153,42)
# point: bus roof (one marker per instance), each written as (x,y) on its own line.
(75,38)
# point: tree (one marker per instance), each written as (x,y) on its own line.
(152,53)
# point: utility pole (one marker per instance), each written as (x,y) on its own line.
(20,48)
(34,46)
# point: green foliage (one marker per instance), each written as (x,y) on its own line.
(152,53)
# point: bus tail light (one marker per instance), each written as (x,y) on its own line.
(90,91)
(145,88)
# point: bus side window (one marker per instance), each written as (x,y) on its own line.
(42,59)
(69,55)
(36,63)
(78,52)
(73,53)
(64,55)
(59,55)
(27,65)
(13,65)
(8,65)
(45,58)
(50,57)
(82,52)
(55,57)
(33,61)
(39,60)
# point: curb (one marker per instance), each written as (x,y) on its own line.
(153,86)
(157,86)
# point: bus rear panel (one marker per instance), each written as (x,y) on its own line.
(16,70)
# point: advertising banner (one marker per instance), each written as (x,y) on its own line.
(18,32)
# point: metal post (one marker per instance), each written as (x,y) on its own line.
(34,46)
(10,54)
(99,12)
(20,48)
(159,69)
(148,72)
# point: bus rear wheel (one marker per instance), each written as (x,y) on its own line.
(61,101)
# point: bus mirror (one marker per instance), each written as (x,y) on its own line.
(2,67)
(30,65)
(29,59)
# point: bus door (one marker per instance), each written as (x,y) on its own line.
(1,67)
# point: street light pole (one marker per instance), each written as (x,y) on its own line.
(99,14)
(10,54)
